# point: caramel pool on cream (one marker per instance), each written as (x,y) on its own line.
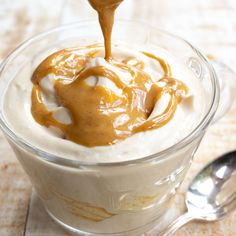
(97,113)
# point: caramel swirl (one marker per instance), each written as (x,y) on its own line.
(100,116)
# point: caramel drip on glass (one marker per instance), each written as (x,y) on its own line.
(99,115)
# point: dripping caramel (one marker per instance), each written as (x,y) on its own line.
(106,11)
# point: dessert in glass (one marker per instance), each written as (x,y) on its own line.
(106,135)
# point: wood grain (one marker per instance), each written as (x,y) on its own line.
(209,24)
(14,195)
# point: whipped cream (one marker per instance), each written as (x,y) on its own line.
(189,111)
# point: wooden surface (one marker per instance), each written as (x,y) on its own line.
(209,24)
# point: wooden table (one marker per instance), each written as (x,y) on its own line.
(209,24)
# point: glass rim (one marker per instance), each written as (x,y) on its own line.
(158,156)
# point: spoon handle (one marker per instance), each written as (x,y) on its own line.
(177,224)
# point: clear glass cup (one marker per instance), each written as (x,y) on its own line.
(122,198)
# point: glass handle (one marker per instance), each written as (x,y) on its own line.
(227,82)
(177,224)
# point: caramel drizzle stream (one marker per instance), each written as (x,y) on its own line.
(106,11)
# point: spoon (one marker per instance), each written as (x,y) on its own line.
(211,194)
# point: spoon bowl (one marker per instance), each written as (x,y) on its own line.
(212,193)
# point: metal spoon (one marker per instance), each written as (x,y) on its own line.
(212,193)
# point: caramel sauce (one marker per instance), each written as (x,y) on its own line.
(106,11)
(83,210)
(100,116)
